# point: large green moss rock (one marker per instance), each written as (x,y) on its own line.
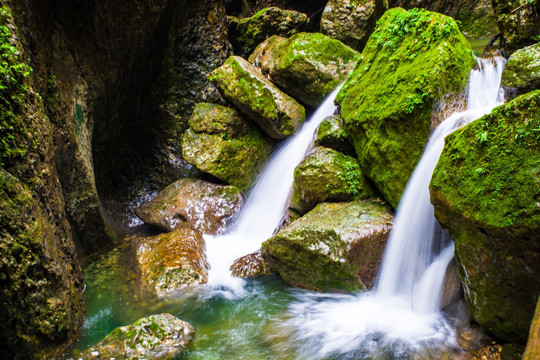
(335,247)
(326,175)
(215,119)
(253,94)
(352,21)
(247,33)
(332,134)
(161,336)
(486,193)
(411,60)
(532,351)
(522,71)
(199,204)
(307,66)
(169,263)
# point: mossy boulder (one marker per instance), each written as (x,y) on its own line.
(486,193)
(411,60)
(215,119)
(244,85)
(247,33)
(326,175)
(522,71)
(532,351)
(308,66)
(332,134)
(352,21)
(161,336)
(250,265)
(168,263)
(335,247)
(518,22)
(199,204)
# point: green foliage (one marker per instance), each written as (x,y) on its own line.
(13,92)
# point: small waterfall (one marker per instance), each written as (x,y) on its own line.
(402,315)
(265,207)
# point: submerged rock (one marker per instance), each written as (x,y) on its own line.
(308,66)
(195,203)
(335,247)
(245,86)
(532,351)
(161,336)
(486,193)
(326,175)
(250,265)
(247,33)
(332,134)
(170,262)
(412,59)
(352,21)
(522,71)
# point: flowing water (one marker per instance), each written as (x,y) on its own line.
(266,319)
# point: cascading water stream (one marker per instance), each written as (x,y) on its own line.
(402,314)
(265,207)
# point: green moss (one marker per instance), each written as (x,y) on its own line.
(13,92)
(522,71)
(411,60)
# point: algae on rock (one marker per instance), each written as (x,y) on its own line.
(486,193)
(411,60)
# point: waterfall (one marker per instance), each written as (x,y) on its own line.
(265,206)
(402,313)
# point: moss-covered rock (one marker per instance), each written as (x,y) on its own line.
(249,32)
(412,59)
(335,247)
(245,86)
(326,175)
(308,66)
(236,161)
(532,351)
(522,71)
(161,336)
(352,21)
(195,203)
(250,265)
(332,134)
(518,22)
(486,193)
(170,262)
(215,119)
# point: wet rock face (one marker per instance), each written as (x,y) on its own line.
(352,21)
(247,33)
(251,265)
(485,191)
(171,262)
(245,86)
(161,336)
(326,175)
(386,102)
(193,203)
(335,247)
(522,71)
(308,66)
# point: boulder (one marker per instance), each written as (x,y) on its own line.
(215,119)
(250,265)
(532,351)
(332,134)
(352,21)
(485,191)
(335,247)
(522,71)
(410,62)
(236,161)
(161,336)
(247,33)
(326,175)
(195,203)
(170,262)
(253,94)
(518,22)
(308,66)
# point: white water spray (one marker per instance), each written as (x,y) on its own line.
(402,314)
(265,207)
